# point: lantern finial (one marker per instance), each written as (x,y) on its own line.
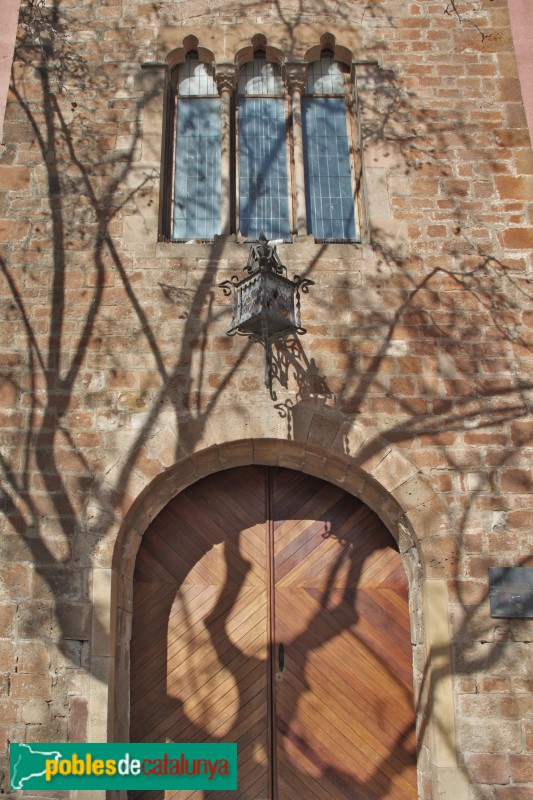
(264,256)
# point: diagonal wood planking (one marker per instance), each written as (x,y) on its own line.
(343,711)
(199,646)
(344,706)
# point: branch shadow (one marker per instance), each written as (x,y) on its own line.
(199,652)
(58,517)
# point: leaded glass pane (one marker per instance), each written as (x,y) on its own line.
(260,77)
(195,78)
(197,185)
(325,76)
(263,180)
(328,186)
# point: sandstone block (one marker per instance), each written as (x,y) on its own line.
(36,711)
(14,178)
(494,736)
(492,769)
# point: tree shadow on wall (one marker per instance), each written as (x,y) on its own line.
(201,671)
(72,292)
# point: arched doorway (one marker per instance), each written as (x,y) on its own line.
(270,608)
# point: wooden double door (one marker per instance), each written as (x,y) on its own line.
(270,609)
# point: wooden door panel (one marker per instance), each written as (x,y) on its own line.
(343,712)
(358,703)
(327,661)
(344,707)
(199,643)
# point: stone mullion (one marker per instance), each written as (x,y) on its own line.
(296,74)
(225,78)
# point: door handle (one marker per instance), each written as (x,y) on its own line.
(281,658)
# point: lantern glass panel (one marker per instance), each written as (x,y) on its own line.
(250,294)
(279,301)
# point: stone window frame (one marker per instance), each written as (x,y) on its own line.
(226,75)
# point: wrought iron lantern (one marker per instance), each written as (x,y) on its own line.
(265,305)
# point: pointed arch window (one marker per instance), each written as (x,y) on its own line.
(263,184)
(327,121)
(196,189)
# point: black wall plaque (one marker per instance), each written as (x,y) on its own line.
(511,592)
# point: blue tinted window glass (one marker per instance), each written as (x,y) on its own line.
(328,179)
(197,185)
(263,182)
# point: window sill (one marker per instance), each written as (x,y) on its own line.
(230,247)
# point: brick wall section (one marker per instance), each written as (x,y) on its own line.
(423,334)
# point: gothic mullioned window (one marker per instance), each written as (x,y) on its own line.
(260,151)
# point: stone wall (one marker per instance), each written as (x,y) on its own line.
(115,366)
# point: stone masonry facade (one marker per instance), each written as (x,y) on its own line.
(412,387)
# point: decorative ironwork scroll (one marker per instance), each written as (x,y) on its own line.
(266,304)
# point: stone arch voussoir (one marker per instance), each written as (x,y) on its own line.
(321,443)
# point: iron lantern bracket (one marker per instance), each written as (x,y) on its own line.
(265,304)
